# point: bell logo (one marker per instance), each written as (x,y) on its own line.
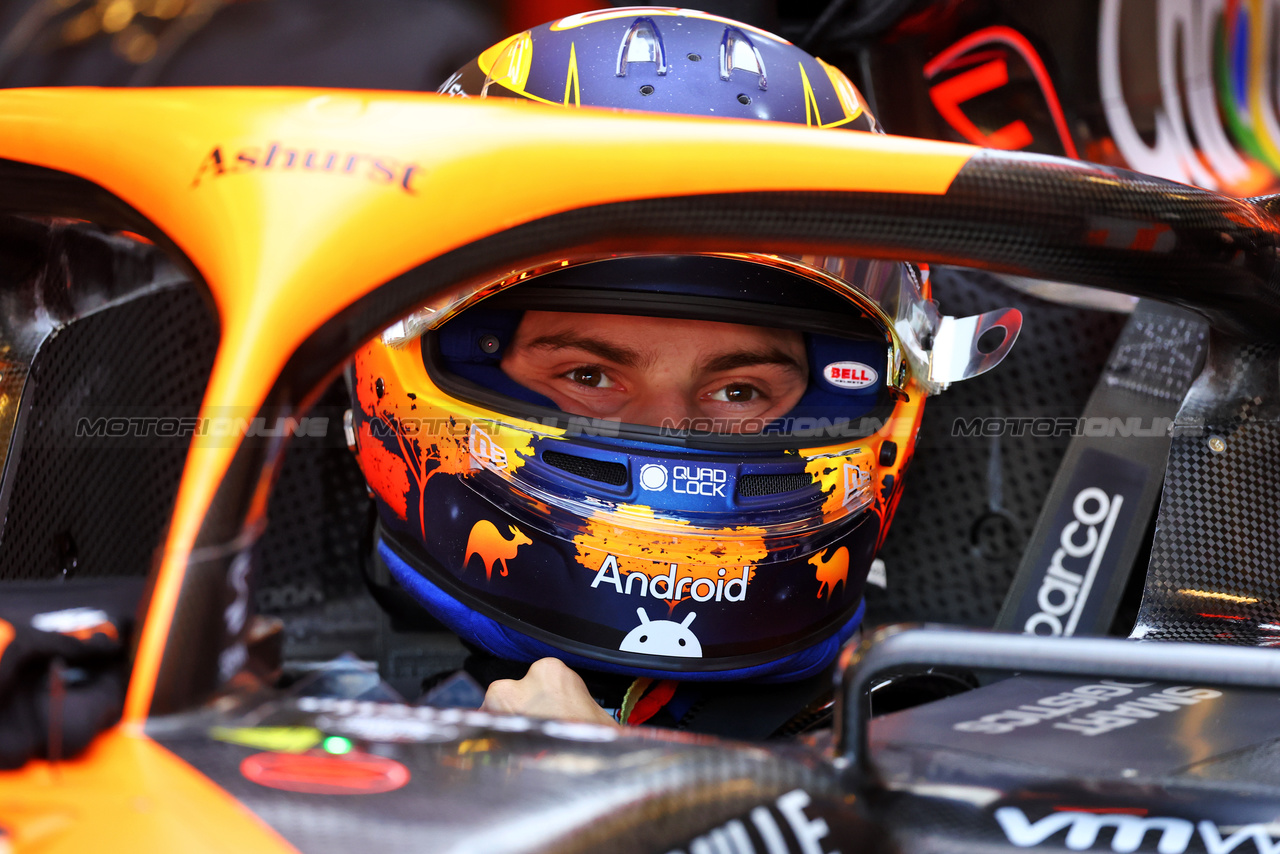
(850,374)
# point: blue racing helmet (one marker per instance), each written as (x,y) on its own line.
(694,548)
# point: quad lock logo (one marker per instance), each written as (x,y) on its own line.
(685,480)
(1064,591)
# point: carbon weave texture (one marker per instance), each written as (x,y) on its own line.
(1060,200)
(1212,575)
(98,507)
(317,537)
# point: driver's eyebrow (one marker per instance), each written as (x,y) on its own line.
(735,359)
(598,347)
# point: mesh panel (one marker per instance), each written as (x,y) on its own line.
(99,506)
(614,474)
(955,543)
(318,518)
(752,485)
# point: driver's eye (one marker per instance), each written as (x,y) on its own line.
(590,376)
(736,393)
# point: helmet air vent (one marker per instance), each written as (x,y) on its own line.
(738,51)
(755,485)
(601,471)
(642,43)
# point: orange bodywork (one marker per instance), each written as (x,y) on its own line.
(126,794)
(292,204)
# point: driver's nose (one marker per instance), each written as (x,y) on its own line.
(660,407)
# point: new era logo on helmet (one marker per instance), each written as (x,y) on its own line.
(850,374)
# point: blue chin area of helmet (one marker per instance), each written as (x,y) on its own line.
(505,642)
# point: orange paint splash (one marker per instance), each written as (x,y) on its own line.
(488,542)
(700,554)
(439,455)
(385,472)
(831,571)
(423,454)
(431,437)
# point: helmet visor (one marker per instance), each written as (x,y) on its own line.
(694,350)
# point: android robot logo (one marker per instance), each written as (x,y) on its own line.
(662,637)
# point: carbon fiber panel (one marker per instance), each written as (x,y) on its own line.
(473,782)
(1213,574)
(96,326)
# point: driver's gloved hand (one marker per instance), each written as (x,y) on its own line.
(62,681)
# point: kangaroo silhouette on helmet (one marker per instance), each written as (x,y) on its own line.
(719,435)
